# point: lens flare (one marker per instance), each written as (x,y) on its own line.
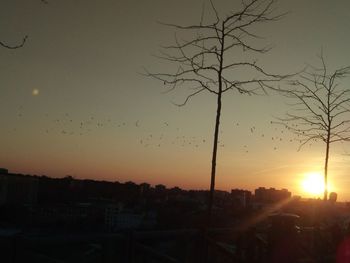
(35,92)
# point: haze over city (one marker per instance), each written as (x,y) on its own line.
(73,100)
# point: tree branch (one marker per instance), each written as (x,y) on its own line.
(15,46)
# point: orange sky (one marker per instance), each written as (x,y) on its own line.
(72,101)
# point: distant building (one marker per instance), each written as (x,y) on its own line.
(144,188)
(110,212)
(271,195)
(118,219)
(17,189)
(4,171)
(241,197)
(160,187)
(127,221)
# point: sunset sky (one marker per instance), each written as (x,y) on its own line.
(72,101)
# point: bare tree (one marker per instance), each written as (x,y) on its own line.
(217,57)
(320,109)
(14,46)
(4,45)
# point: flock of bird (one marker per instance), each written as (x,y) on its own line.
(166,134)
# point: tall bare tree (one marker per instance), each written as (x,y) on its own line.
(320,109)
(218,57)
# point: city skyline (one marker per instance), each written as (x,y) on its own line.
(73,102)
(262,193)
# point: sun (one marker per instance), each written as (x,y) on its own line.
(313,183)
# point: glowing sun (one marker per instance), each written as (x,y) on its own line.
(313,183)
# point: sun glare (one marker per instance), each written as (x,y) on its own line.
(313,183)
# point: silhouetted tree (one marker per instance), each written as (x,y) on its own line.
(3,44)
(217,57)
(321,110)
(8,46)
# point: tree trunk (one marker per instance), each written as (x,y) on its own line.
(213,162)
(325,195)
(217,127)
